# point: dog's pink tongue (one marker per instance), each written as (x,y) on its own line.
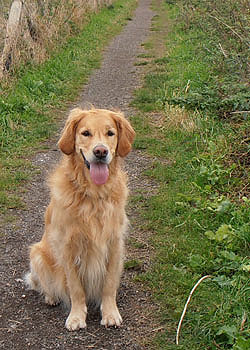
(99,173)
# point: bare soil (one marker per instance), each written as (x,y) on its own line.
(25,321)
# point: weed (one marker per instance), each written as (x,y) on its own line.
(143,63)
(133,265)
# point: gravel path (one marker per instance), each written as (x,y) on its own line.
(112,85)
(25,321)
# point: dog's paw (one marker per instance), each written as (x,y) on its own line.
(51,300)
(75,321)
(111,318)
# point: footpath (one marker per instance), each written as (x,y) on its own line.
(26,322)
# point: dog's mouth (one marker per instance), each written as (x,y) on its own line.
(99,170)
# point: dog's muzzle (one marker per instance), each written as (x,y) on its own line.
(99,170)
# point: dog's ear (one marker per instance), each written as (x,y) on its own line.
(126,134)
(66,142)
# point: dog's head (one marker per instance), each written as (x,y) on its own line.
(97,135)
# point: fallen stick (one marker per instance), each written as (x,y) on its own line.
(225,24)
(186,305)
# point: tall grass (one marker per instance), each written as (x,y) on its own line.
(44,26)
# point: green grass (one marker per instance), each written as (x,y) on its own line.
(202,78)
(34,101)
(200,215)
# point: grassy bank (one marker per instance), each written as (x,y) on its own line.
(35,100)
(42,27)
(200,214)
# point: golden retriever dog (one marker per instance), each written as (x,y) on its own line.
(80,256)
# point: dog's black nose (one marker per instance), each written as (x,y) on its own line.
(100,152)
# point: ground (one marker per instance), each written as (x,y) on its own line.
(25,321)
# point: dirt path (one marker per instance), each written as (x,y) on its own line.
(25,321)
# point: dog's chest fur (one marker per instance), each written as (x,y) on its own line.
(101,225)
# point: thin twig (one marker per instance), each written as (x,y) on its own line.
(157,329)
(244,318)
(239,112)
(246,140)
(183,223)
(187,86)
(15,321)
(186,305)
(225,24)
(222,50)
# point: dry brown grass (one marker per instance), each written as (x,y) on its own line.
(179,118)
(44,26)
(176,118)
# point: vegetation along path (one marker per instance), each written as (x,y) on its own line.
(26,322)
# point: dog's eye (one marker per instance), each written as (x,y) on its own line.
(86,133)
(110,133)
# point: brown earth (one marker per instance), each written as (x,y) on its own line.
(25,321)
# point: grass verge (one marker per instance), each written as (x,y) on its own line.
(33,103)
(200,215)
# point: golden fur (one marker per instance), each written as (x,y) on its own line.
(80,256)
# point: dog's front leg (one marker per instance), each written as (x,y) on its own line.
(110,312)
(78,312)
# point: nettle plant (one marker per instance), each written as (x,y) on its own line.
(211,169)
